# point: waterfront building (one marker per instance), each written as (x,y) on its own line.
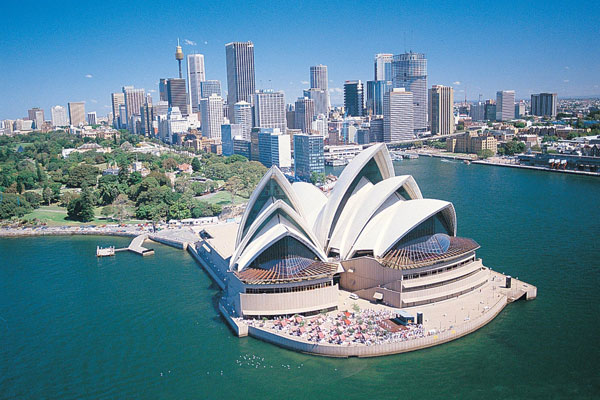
(59,116)
(308,156)
(269,109)
(242,115)
(398,116)
(472,142)
(383,67)
(242,147)
(409,71)
(505,105)
(353,98)
(320,98)
(77,113)
(375,93)
(211,109)
(195,76)
(92,118)
(274,148)
(441,110)
(210,87)
(117,99)
(544,104)
(228,133)
(304,114)
(240,72)
(36,115)
(177,96)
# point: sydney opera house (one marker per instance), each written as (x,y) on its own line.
(373,235)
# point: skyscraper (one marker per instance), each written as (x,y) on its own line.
(383,67)
(308,156)
(353,98)
(92,118)
(162,89)
(134,99)
(477,111)
(240,72)
(77,113)
(228,133)
(505,105)
(59,116)
(409,71)
(319,80)
(305,113)
(441,110)
(36,115)
(375,93)
(211,109)
(398,116)
(207,88)
(117,99)
(195,77)
(147,116)
(269,110)
(321,99)
(176,95)
(274,148)
(242,115)
(544,104)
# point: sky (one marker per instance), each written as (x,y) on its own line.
(54,52)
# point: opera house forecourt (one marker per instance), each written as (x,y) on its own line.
(370,268)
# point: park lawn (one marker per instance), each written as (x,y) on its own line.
(57,216)
(223,198)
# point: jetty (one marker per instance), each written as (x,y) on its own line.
(135,246)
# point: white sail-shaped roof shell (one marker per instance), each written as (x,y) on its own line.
(312,198)
(392,223)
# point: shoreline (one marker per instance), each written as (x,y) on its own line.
(531,167)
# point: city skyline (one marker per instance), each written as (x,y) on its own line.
(458,54)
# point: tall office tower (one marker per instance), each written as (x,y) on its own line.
(269,110)
(353,98)
(520,108)
(147,113)
(117,99)
(375,92)
(195,77)
(207,88)
(376,130)
(242,115)
(308,156)
(383,67)
(290,116)
(122,117)
(162,89)
(211,109)
(318,77)
(489,110)
(134,99)
(179,57)
(240,72)
(321,99)
(228,133)
(544,104)
(59,116)
(305,113)
(398,116)
(441,110)
(274,148)
(92,118)
(37,116)
(176,95)
(77,113)
(505,105)
(477,111)
(409,71)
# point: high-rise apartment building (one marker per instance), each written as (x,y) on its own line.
(308,156)
(211,109)
(77,113)
(505,105)
(117,99)
(195,75)
(37,116)
(441,110)
(304,114)
(240,72)
(398,116)
(208,88)
(375,92)
(59,116)
(544,104)
(409,71)
(383,67)
(242,115)
(353,98)
(176,95)
(269,109)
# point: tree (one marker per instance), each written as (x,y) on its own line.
(235,158)
(234,185)
(19,187)
(170,164)
(485,153)
(196,166)
(47,195)
(82,207)
(317,177)
(121,207)
(82,174)
(33,199)
(13,205)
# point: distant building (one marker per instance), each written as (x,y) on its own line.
(441,110)
(376,130)
(318,77)
(520,109)
(321,99)
(383,67)
(544,104)
(490,111)
(375,93)
(477,111)
(505,105)
(211,109)
(92,118)
(353,98)
(176,95)
(77,113)
(308,156)
(147,116)
(195,76)
(319,125)
(241,146)
(274,148)
(59,116)
(398,116)
(37,116)
(319,88)
(228,133)
(471,142)
(409,71)
(117,99)
(242,115)
(269,110)
(240,72)
(162,89)
(304,114)
(134,99)
(208,88)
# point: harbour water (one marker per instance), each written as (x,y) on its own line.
(76,326)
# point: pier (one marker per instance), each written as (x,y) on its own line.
(135,246)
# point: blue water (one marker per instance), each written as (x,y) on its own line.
(73,326)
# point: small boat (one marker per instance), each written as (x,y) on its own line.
(468,162)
